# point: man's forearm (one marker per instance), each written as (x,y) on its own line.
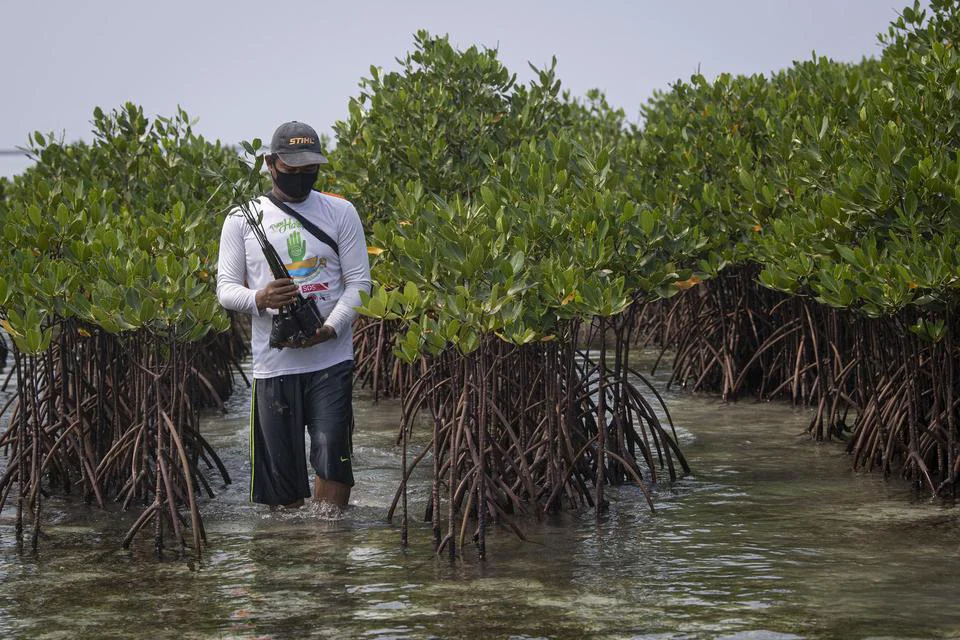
(344,312)
(237,297)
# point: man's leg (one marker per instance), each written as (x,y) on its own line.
(331,491)
(278,461)
(328,409)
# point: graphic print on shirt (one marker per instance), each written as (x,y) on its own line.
(297,249)
(307,272)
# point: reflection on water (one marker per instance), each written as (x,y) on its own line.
(772,538)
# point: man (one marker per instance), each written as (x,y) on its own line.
(309,384)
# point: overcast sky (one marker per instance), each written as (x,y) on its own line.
(242,67)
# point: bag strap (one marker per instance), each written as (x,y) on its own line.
(314,230)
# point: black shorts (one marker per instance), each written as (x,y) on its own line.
(320,401)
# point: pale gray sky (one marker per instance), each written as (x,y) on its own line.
(242,67)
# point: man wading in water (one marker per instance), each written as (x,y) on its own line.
(309,384)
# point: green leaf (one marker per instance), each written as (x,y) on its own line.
(411,295)
(910,204)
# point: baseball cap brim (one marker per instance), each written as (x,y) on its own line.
(302,158)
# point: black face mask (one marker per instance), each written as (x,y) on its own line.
(295,185)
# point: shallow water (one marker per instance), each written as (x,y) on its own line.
(772,538)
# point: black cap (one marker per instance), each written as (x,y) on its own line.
(297,144)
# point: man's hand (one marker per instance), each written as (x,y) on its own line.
(277,294)
(324,333)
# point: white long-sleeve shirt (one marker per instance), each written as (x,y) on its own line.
(334,281)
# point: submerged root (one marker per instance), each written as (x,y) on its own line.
(733,337)
(115,418)
(531,430)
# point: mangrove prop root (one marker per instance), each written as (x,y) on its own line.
(115,416)
(732,336)
(529,429)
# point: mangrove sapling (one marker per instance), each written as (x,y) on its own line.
(388,163)
(113,282)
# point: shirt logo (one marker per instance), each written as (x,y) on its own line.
(300,267)
(314,287)
(285,225)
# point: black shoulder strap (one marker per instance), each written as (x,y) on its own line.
(314,230)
